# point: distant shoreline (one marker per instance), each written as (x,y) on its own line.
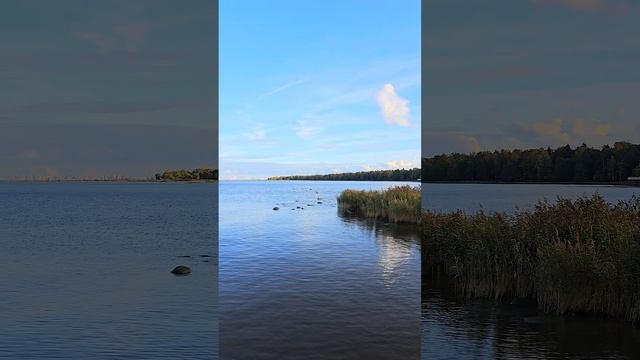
(368,180)
(106,181)
(590,183)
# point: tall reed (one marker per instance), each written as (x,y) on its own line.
(400,204)
(571,256)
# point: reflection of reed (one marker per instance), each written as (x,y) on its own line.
(400,232)
(506,330)
(395,242)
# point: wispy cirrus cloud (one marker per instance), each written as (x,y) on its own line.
(282,88)
(304,129)
(256,133)
(395,109)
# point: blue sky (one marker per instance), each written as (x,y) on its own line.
(530,73)
(310,87)
(91,89)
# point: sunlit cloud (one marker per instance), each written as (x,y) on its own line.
(558,132)
(471,143)
(395,109)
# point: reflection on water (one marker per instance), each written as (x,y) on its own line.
(309,284)
(454,328)
(396,244)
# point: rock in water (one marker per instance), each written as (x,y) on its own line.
(276,208)
(181,270)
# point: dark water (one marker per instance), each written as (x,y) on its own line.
(84,271)
(308,284)
(507,197)
(486,329)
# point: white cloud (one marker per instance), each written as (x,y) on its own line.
(395,109)
(305,130)
(400,164)
(390,165)
(257,133)
(372,168)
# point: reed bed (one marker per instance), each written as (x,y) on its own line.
(400,204)
(571,256)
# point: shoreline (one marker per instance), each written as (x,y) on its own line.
(107,181)
(618,183)
(341,180)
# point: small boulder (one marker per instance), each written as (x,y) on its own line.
(181,270)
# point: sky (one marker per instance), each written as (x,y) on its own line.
(529,73)
(317,87)
(107,88)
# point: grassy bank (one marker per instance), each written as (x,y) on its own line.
(571,256)
(400,204)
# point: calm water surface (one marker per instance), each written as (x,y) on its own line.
(85,271)
(308,284)
(484,329)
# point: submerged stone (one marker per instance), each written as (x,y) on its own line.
(181,270)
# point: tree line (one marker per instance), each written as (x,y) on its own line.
(182,175)
(564,164)
(376,175)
